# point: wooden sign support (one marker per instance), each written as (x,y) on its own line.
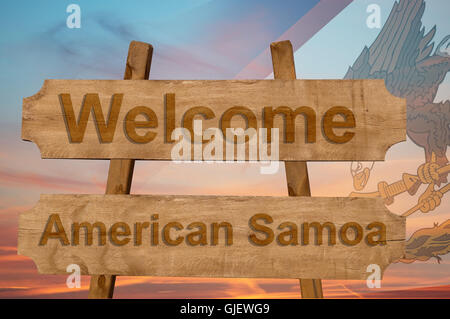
(296,172)
(49,119)
(120,172)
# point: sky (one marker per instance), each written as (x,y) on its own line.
(197,39)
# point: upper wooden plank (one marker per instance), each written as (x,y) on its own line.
(52,118)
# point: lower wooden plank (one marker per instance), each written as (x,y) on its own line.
(189,236)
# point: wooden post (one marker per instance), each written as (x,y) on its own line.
(120,171)
(296,172)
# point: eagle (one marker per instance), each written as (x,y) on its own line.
(402,55)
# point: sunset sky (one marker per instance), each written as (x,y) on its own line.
(196,39)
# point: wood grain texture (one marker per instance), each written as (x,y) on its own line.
(380,117)
(241,259)
(120,173)
(297,177)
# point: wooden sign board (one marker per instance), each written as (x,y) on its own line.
(318,120)
(211,236)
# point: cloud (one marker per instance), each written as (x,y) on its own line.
(36,180)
